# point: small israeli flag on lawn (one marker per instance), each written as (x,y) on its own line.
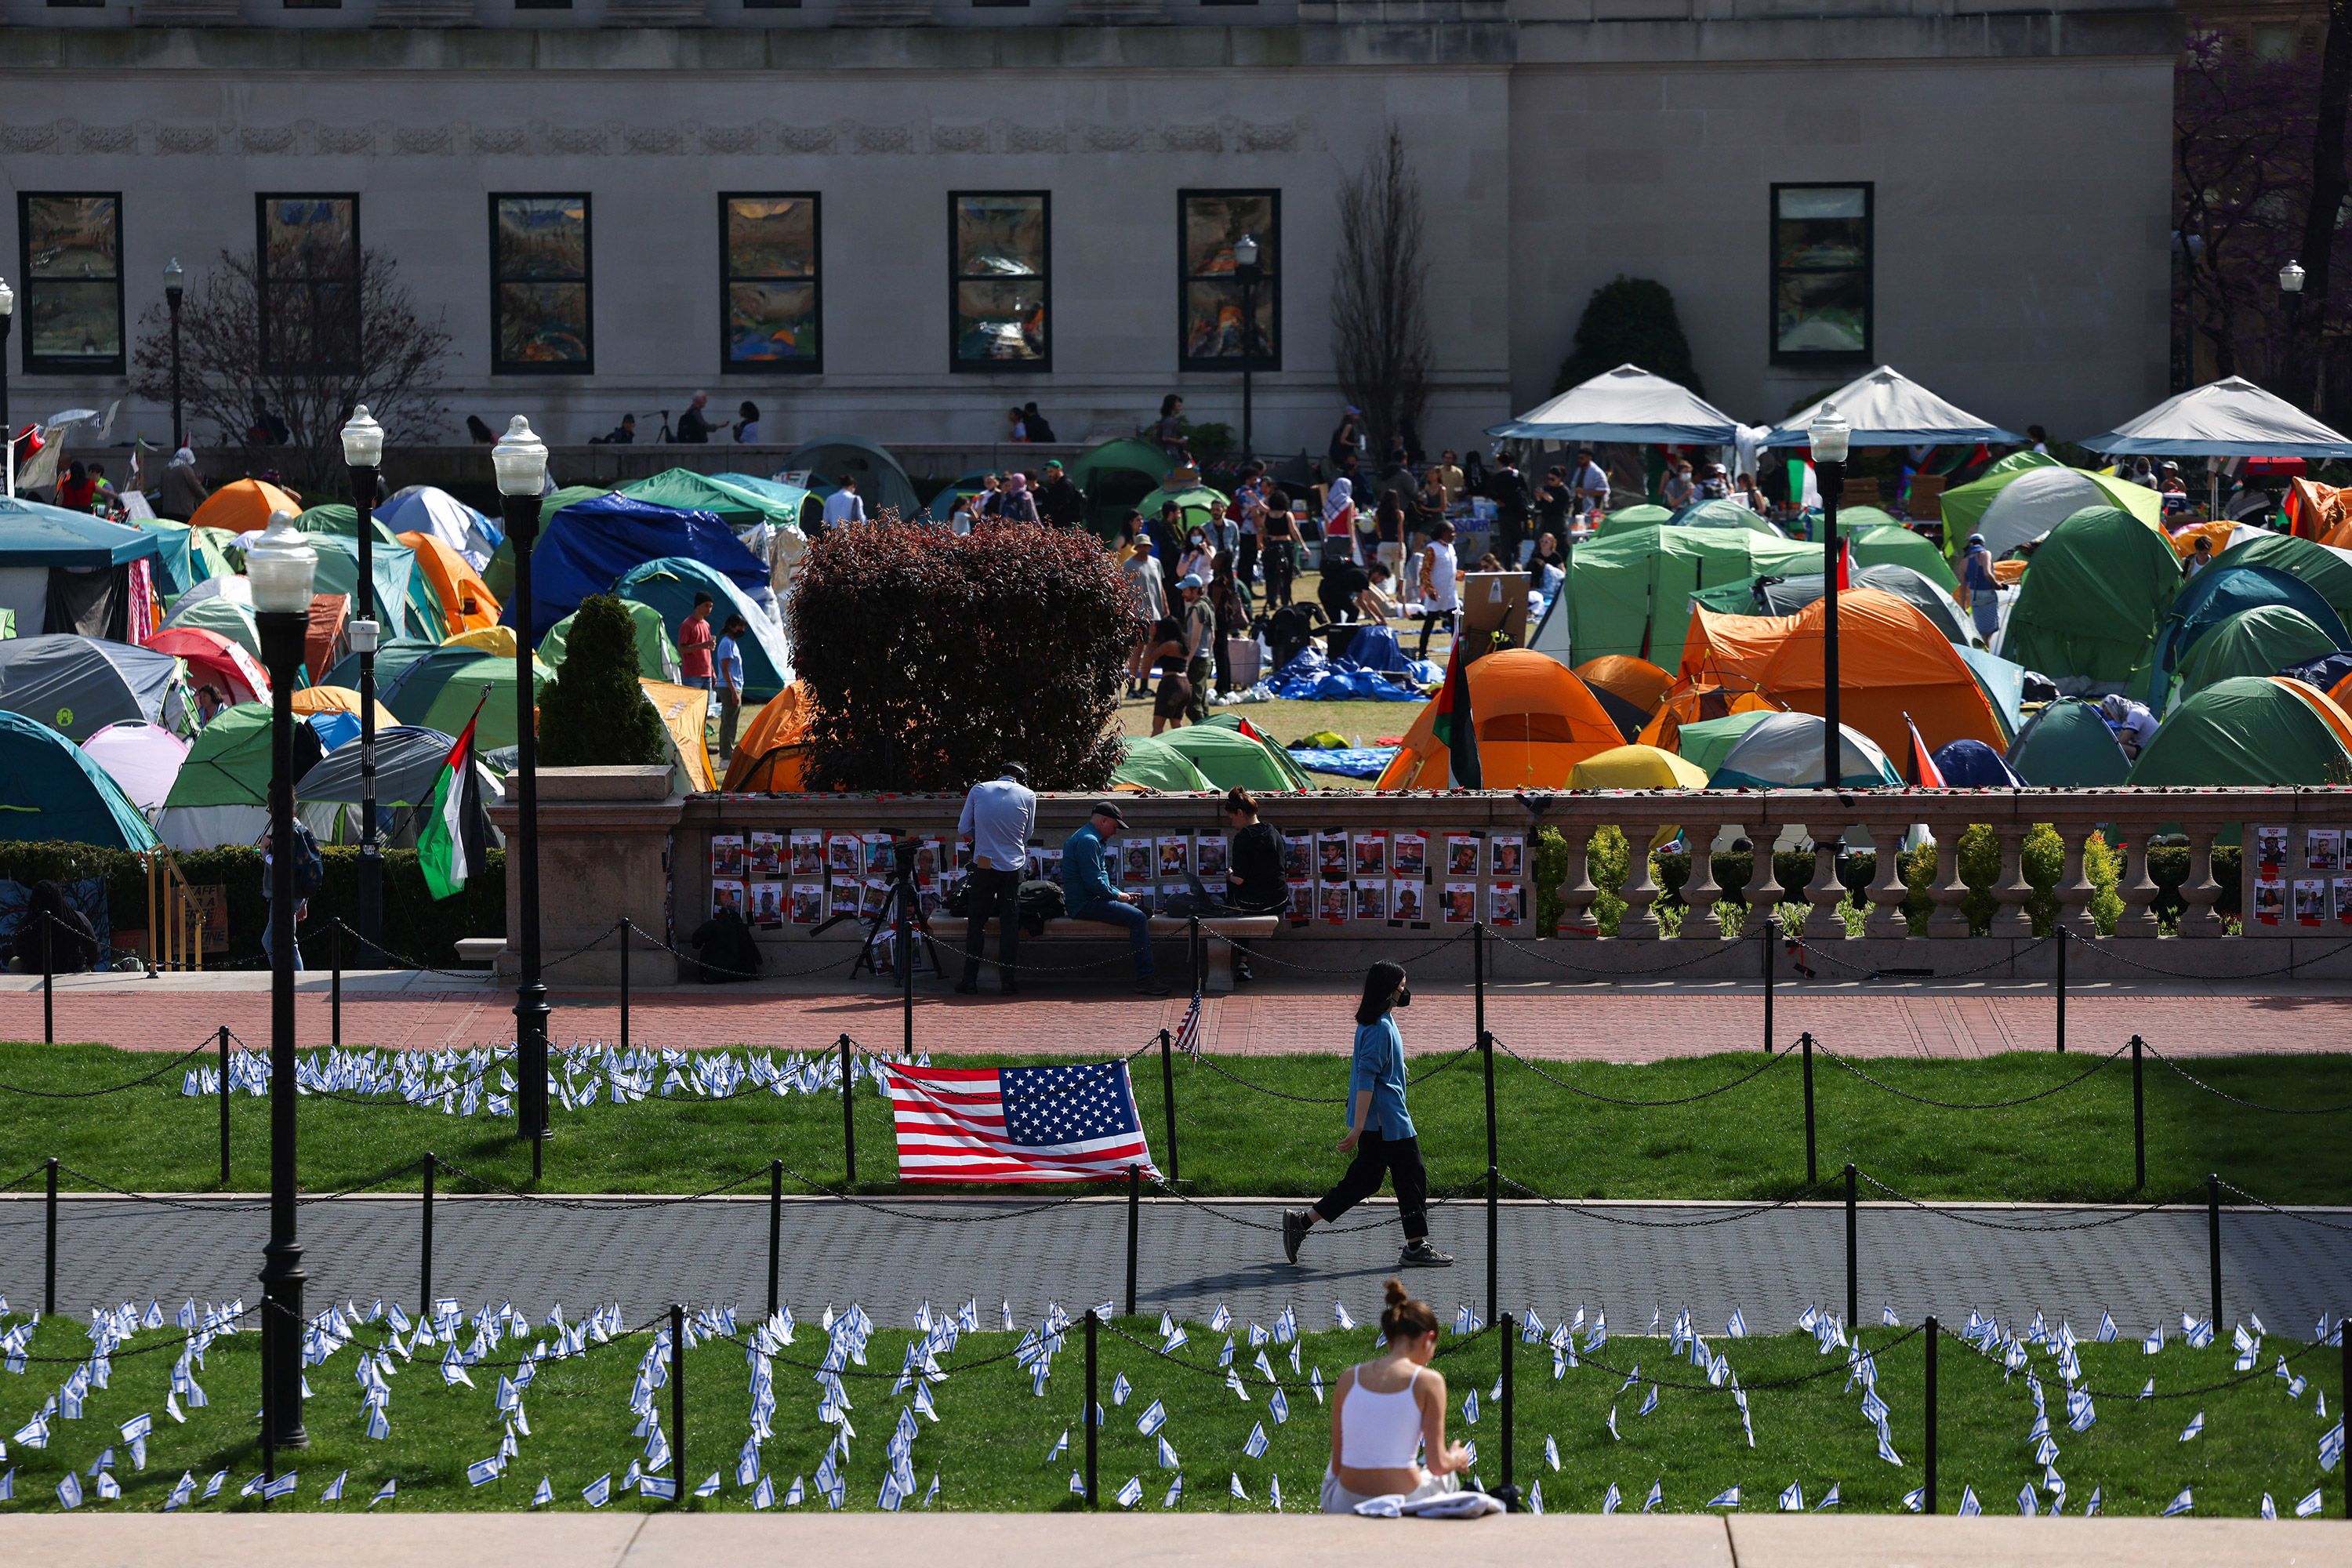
(1256,1446)
(657,1487)
(710,1487)
(795,1493)
(1829,1499)
(1470,1407)
(1278,1406)
(1234,1485)
(544,1495)
(2026,1502)
(2180,1504)
(481,1473)
(1062,1445)
(1650,1403)
(2196,1425)
(2331,1444)
(1167,1460)
(2091,1509)
(1969,1507)
(1737,1327)
(2308,1505)
(68,1490)
(1120,1389)
(1793,1499)
(1535,1500)
(1887,1450)
(1175,1491)
(1613,1423)
(1273,1492)
(1222,1318)
(283,1487)
(1727,1498)
(1340,1315)
(764,1496)
(1131,1493)
(1551,1451)
(180,1493)
(1611,1500)
(213,1487)
(2269,1508)
(1154,1416)
(1916,1499)
(334,1492)
(599,1491)
(2154,1341)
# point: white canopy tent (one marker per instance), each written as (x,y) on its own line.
(1628,403)
(1888,408)
(2228,418)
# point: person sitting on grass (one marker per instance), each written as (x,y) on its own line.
(1386,1410)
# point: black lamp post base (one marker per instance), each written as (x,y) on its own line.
(532,1013)
(282,1280)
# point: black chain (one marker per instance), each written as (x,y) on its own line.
(1727,1216)
(1769,1063)
(1832,1370)
(2095,1067)
(116,1089)
(1707,949)
(2118,1218)
(2249,1104)
(2298,1216)
(1248,1374)
(648,1202)
(1255,950)
(1800,944)
(1457,1195)
(2135,1397)
(2288,968)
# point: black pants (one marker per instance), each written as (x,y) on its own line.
(1400,1160)
(1510,528)
(1281,567)
(1430,621)
(1247,561)
(994,892)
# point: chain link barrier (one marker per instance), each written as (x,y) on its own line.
(2092,1070)
(179,1060)
(1769,1063)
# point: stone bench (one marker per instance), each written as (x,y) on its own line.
(1220,968)
(479,949)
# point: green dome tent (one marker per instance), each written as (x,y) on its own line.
(2096,591)
(2260,641)
(1151,763)
(1718,512)
(656,655)
(54,791)
(740,504)
(221,794)
(2247,729)
(1703,742)
(1192,502)
(669,583)
(1235,723)
(1963,505)
(2068,745)
(1229,759)
(1117,475)
(2212,598)
(2327,570)
(221,614)
(439,691)
(1626,519)
(393,655)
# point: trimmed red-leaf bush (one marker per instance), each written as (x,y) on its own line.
(932,658)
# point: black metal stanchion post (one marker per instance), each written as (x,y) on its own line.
(1494,1166)
(2213,1243)
(1193,952)
(1507,1325)
(1928,1491)
(848,1117)
(1168,1096)
(425,1245)
(224,1103)
(2062,937)
(1134,1225)
(775,1232)
(2344,1399)
(50,1252)
(625,982)
(335,986)
(1812,1165)
(677,1406)
(1852,1273)
(1767,933)
(2140,1122)
(1087,1416)
(904,953)
(48,982)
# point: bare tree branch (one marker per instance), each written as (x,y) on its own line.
(1379,326)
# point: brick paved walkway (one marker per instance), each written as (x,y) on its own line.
(1633,1022)
(1617,1256)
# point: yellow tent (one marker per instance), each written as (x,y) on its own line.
(338,699)
(686,714)
(1636,767)
(498,640)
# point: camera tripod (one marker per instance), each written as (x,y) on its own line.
(901,908)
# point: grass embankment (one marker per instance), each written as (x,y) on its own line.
(1747,1143)
(991,1444)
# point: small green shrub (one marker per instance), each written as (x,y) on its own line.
(593,713)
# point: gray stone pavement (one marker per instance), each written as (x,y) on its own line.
(2286,1268)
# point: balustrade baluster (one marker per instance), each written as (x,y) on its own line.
(1951,917)
(2137,886)
(1887,890)
(2010,885)
(1701,891)
(1825,892)
(2076,889)
(2202,888)
(1577,889)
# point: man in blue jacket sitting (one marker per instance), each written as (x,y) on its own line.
(1088,894)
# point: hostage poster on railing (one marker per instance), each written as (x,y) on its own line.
(2297,878)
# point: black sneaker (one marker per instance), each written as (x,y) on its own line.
(1149,986)
(1421,1254)
(1294,1231)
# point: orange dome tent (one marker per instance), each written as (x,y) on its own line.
(771,754)
(1891,661)
(1536,721)
(2328,705)
(1690,704)
(467,602)
(1731,651)
(243,506)
(1637,680)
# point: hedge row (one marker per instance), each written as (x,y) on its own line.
(415,926)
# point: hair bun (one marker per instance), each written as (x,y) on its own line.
(1394,1291)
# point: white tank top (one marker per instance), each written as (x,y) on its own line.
(1379,1431)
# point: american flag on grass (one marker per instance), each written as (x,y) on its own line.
(1188,1032)
(1074,1123)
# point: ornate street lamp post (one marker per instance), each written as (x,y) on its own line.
(521,461)
(363,450)
(1830,435)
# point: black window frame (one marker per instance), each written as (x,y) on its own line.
(1044,364)
(1270,290)
(502,366)
(31,363)
(727,363)
(1866,354)
(263,278)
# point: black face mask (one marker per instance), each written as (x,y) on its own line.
(1404,996)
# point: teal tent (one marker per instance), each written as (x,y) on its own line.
(669,586)
(2324,568)
(881,482)
(440,691)
(50,790)
(2212,598)
(392,656)
(2068,745)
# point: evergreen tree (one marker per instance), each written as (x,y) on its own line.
(595,711)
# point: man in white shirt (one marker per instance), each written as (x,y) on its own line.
(997,818)
(1589,483)
(844,505)
(1439,578)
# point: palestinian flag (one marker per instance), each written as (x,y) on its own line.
(1923,771)
(1845,563)
(449,837)
(1455,727)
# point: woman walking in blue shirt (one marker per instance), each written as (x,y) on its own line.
(1380,1129)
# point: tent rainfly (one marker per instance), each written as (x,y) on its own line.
(2231,417)
(1628,403)
(1888,408)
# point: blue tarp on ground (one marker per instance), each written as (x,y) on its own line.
(588,546)
(1354,762)
(1311,677)
(1377,648)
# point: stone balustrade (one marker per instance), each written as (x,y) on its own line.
(1985,908)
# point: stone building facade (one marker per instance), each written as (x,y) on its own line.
(941,209)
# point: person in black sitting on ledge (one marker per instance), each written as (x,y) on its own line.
(1253,883)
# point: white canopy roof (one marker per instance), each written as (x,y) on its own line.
(1628,403)
(2227,418)
(1888,408)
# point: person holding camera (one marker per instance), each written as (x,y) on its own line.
(1380,1129)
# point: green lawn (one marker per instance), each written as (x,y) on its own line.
(1747,1143)
(991,1442)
